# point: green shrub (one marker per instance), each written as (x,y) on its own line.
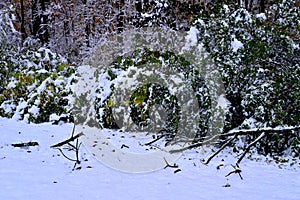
(258,56)
(37,87)
(148,94)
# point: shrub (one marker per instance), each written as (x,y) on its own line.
(147,94)
(258,56)
(37,87)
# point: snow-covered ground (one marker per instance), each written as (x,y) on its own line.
(40,172)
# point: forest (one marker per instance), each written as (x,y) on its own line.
(254,45)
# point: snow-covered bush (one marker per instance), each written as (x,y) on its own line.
(259,58)
(148,94)
(9,39)
(36,86)
(34,81)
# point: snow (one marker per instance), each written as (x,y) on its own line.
(261,16)
(41,172)
(7,106)
(19,110)
(43,85)
(222,102)
(192,36)
(242,15)
(54,117)
(296,46)
(236,45)
(12,84)
(226,8)
(147,15)
(34,110)
(42,71)
(192,39)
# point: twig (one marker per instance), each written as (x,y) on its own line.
(168,165)
(155,140)
(73,147)
(235,133)
(71,139)
(77,154)
(124,146)
(73,160)
(219,150)
(249,146)
(236,170)
(26,144)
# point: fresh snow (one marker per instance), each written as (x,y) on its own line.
(236,45)
(40,172)
(261,16)
(192,35)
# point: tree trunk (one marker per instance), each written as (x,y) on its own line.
(23,31)
(120,17)
(40,20)
(262,6)
(45,31)
(36,21)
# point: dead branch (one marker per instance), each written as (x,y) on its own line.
(71,139)
(168,165)
(155,140)
(219,150)
(73,147)
(235,133)
(249,146)
(25,144)
(236,170)
(64,155)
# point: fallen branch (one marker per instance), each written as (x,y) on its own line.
(234,133)
(64,155)
(155,140)
(71,139)
(25,144)
(249,146)
(168,165)
(236,170)
(219,150)
(74,147)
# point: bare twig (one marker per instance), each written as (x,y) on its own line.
(155,140)
(219,150)
(64,155)
(71,139)
(236,170)
(25,144)
(77,153)
(73,147)
(168,165)
(249,146)
(235,133)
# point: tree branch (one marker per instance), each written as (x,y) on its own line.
(73,147)
(168,165)
(71,139)
(249,146)
(219,150)
(236,170)
(236,133)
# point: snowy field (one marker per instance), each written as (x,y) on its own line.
(39,172)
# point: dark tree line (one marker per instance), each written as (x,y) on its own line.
(81,24)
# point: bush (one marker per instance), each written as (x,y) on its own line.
(258,56)
(147,94)
(37,87)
